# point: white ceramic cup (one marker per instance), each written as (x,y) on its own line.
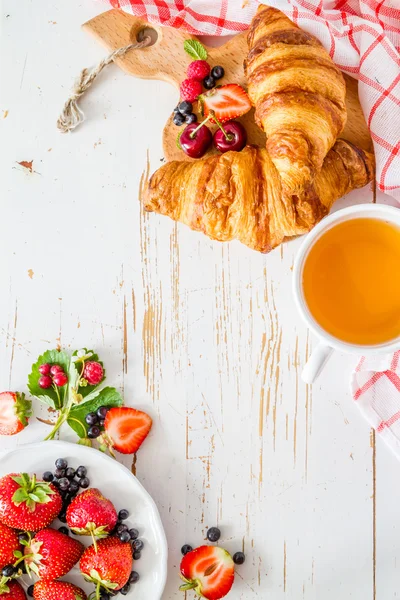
(328,342)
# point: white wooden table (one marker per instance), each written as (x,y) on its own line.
(204,336)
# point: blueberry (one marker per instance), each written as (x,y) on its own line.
(81,472)
(8,571)
(239,558)
(23,537)
(209,82)
(217,72)
(94,432)
(84,482)
(192,118)
(64,484)
(58,473)
(125,537)
(138,545)
(64,530)
(29,591)
(186,549)
(70,473)
(213,534)
(104,596)
(134,577)
(102,423)
(48,476)
(62,517)
(137,555)
(125,590)
(102,412)
(121,528)
(55,482)
(185,107)
(134,534)
(123,514)
(176,109)
(61,463)
(73,486)
(91,418)
(178,119)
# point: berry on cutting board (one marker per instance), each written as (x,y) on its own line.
(227,102)
(198,69)
(178,119)
(209,82)
(231,136)
(195,140)
(126,428)
(57,590)
(218,72)
(185,108)
(15,411)
(190,90)
(209,571)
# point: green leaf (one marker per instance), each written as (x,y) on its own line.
(88,389)
(195,49)
(108,396)
(49,396)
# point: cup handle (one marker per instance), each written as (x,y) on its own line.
(316,363)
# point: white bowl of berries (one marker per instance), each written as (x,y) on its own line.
(75,522)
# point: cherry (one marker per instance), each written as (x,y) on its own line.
(60,379)
(54,369)
(45,382)
(231,136)
(44,369)
(195,140)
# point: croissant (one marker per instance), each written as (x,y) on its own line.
(238,195)
(298,93)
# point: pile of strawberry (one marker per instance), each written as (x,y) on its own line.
(219,105)
(28,507)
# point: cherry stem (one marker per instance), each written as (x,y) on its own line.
(228,136)
(191,135)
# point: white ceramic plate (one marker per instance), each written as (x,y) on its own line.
(119,485)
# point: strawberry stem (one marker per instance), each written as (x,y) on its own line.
(192,135)
(228,136)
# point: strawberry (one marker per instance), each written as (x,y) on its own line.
(8,545)
(227,102)
(57,590)
(91,513)
(93,372)
(52,554)
(126,429)
(14,412)
(110,567)
(209,571)
(26,503)
(11,590)
(198,69)
(190,90)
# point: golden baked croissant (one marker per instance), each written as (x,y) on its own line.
(299,95)
(238,195)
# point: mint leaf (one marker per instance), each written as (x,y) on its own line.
(88,389)
(108,396)
(49,396)
(195,49)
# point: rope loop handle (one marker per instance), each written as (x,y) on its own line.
(71,115)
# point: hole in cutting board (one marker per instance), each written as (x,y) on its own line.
(147,31)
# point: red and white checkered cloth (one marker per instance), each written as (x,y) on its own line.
(376,390)
(362,36)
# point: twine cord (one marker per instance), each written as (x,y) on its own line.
(72,115)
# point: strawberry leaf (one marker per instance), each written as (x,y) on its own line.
(195,49)
(49,396)
(108,396)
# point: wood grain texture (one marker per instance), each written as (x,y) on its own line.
(203,336)
(166,60)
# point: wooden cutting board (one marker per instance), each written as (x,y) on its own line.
(167,60)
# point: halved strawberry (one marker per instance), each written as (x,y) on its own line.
(209,571)
(14,412)
(126,429)
(227,102)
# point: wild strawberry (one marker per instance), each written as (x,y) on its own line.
(110,566)
(60,379)
(91,513)
(57,590)
(93,372)
(209,571)
(11,590)
(52,554)
(14,412)
(190,90)
(26,503)
(54,369)
(45,382)
(44,369)
(227,102)
(126,429)
(9,544)
(198,69)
